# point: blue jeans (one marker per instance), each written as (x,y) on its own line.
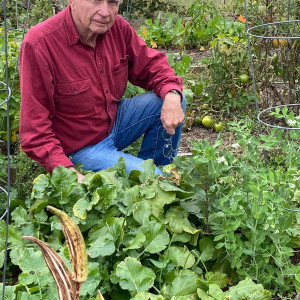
(135,116)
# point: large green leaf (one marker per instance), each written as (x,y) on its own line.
(32,261)
(149,172)
(137,242)
(181,256)
(81,207)
(9,293)
(247,289)
(178,220)
(40,185)
(133,276)
(63,181)
(157,197)
(218,278)
(142,212)
(183,284)
(148,296)
(20,216)
(103,236)
(207,248)
(93,279)
(157,237)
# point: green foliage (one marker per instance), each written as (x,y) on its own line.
(148,237)
(221,71)
(165,35)
(147,8)
(290,119)
(21,16)
(14,38)
(204,24)
(246,289)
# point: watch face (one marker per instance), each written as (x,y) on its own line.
(175,92)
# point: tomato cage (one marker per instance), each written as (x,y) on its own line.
(274,49)
(273,32)
(5,91)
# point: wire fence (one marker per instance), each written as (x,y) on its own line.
(6,214)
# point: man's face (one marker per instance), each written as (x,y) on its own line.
(94,16)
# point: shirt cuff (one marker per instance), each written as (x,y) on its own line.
(168,88)
(58,161)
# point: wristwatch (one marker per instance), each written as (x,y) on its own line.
(175,92)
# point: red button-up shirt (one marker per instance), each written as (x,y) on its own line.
(70,91)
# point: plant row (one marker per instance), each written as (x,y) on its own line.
(215,219)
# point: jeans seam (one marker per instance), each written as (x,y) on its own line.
(120,132)
(156,142)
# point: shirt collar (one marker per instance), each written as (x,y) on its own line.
(72,34)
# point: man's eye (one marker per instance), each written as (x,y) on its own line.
(113,2)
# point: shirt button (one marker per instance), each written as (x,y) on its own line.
(75,91)
(101,71)
(106,91)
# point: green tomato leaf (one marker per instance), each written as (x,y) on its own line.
(133,276)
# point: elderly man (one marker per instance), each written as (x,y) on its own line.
(74,69)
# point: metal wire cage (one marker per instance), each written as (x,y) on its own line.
(274,49)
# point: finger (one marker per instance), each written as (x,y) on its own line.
(169,129)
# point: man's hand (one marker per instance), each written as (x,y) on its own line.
(172,114)
(79,175)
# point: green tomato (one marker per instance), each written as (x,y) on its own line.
(244,78)
(275,58)
(198,120)
(208,121)
(219,126)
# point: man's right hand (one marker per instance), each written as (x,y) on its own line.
(79,175)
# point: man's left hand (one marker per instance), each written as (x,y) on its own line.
(172,114)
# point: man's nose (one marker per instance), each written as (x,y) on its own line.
(103,8)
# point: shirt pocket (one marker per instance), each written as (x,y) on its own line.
(74,97)
(120,78)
